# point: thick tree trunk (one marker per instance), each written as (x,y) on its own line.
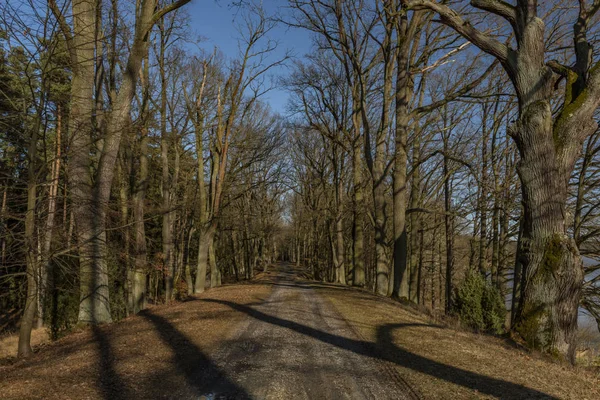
(401,274)
(94,296)
(137,301)
(385,271)
(434,262)
(420,297)
(204,240)
(404,92)
(382,267)
(551,262)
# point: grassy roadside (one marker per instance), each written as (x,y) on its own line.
(444,363)
(151,355)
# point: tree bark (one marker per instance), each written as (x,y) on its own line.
(551,261)
(358,265)
(137,302)
(203,245)
(404,94)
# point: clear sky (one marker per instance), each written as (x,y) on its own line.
(216,21)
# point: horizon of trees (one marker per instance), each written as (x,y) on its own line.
(418,150)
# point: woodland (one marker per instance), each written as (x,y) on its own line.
(442,154)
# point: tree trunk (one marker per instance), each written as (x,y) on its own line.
(137,301)
(517,278)
(415,221)
(551,262)
(47,283)
(205,238)
(483,197)
(358,265)
(124,275)
(24,346)
(167,229)
(383,272)
(449,231)
(404,91)
(215,273)
(340,273)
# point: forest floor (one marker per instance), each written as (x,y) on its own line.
(282,336)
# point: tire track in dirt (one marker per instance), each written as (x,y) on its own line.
(295,345)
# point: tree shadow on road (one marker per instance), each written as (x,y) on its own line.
(197,368)
(386,350)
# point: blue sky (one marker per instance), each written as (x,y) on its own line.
(215,20)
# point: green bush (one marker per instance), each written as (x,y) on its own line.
(479,305)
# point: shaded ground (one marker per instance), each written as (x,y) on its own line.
(282,337)
(161,353)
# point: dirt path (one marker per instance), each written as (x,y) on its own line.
(296,346)
(283,337)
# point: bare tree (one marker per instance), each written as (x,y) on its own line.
(548,146)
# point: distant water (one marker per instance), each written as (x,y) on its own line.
(585,319)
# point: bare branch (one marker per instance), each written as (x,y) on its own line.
(165,10)
(464,90)
(452,19)
(497,7)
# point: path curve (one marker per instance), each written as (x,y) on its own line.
(295,345)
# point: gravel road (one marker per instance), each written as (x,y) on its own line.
(295,345)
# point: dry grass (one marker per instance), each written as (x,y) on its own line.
(167,348)
(151,355)
(445,363)
(9,342)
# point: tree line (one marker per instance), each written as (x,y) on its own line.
(137,166)
(444,154)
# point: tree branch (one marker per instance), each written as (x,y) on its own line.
(452,19)
(65,29)
(559,68)
(497,7)
(465,89)
(165,10)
